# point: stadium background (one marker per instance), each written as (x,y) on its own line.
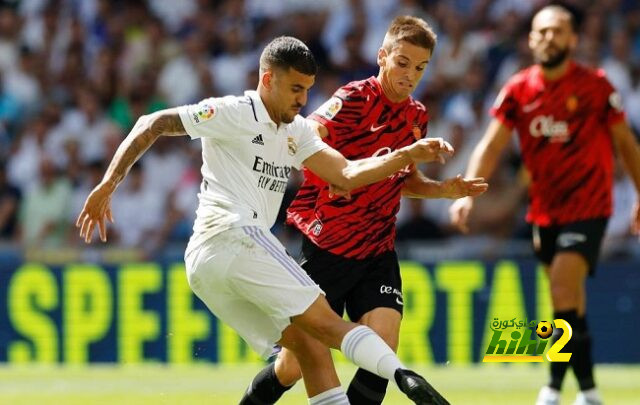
(74,75)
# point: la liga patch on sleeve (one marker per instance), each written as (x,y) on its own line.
(330,108)
(201,112)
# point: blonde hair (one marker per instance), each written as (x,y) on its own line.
(414,30)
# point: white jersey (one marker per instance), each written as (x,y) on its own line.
(247,161)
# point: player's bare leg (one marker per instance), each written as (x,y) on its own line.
(315,364)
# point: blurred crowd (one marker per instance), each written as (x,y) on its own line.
(75,75)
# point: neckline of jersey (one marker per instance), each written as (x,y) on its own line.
(378,86)
(262,116)
(540,74)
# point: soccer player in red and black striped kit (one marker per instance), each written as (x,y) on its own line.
(568,119)
(348,244)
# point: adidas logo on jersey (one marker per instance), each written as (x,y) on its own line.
(258,140)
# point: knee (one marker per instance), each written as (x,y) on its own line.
(563,294)
(386,323)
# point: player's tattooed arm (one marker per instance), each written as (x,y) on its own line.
(97,207)
(145,132)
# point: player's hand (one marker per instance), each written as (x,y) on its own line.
(635,220)
(458,187)
(335,191)
(429,150)
(459,213)
(96,210)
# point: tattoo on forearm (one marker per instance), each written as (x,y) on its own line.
(145,132)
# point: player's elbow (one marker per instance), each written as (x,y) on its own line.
(146,123)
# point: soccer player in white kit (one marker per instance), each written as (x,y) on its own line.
(234,264)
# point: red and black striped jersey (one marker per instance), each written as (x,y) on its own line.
(563,128)
(361,122)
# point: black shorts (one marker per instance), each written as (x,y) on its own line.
(355,285)
(583,237)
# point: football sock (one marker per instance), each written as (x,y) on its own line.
(367,388)
(559,369)
(581,359)
(265,388)
(367,350)
(333,396)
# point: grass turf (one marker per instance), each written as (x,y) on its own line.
(210,384)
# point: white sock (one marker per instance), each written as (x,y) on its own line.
(367,350)
(592,394)
(333,396)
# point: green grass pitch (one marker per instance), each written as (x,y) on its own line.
(210,384)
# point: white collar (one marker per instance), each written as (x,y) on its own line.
(259,110)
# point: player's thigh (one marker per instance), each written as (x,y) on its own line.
(544,243)
(335,275)
(267,276)
(257,328)
(249,283)
(379,287)
(583,238)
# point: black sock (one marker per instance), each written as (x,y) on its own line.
(581,359)
(265,388)
(366,388)
(559,369)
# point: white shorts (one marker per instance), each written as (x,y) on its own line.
(246,278)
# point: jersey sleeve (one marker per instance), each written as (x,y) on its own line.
(613,105)
(343,111)
(306,143)
(210,118)
(505,108)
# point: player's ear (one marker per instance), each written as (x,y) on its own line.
(382,57)
(266,78)
(532,39)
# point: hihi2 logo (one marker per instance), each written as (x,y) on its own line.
(525,347)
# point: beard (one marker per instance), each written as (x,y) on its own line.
(555,60)
(287,119)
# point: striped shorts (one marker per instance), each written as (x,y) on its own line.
(247,279)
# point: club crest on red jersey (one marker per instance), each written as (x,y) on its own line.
(572,103)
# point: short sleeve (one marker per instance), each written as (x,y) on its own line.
(306,142)
(613,105)
(505,108)
(210,118)
(337,113)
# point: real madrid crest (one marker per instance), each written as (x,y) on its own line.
(291,144)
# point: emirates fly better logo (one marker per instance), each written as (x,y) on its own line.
(526,342)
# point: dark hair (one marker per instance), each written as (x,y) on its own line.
(414,30)
(288,52)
